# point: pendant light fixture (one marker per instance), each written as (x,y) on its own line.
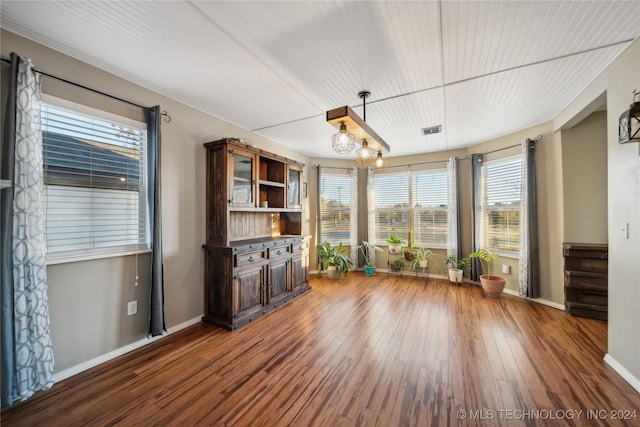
(365,155)
(343,142)
(349,123)
(379,162)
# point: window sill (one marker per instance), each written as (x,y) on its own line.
(511,255)
(88,256)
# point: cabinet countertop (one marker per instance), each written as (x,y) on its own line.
(260,242)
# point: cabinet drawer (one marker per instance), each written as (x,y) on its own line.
(248,258)
(300,247)
(279,251)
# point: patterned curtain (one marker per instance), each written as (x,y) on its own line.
(453,221)
(528,265)
(319,218)
(371,207)
(32,351)
(353,214)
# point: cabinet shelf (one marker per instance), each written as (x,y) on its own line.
(254,209)
(271,184)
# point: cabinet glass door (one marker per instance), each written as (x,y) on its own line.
(243,185)
(293,194)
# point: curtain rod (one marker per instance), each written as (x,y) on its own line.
(80,86)
(536,140)
(417,164)
(167,117)
(501,149)
(333,167)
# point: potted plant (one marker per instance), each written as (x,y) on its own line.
(457,267)
(491,285)
(396,265)
(337,261)
(368,251)
(420,257)
(408,251)
(395,244)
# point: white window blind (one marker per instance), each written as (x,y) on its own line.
(391,194)
(95,175)
(430,199)
(335,210)
(412,201)
(502,184)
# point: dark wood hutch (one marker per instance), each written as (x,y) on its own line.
(255,255)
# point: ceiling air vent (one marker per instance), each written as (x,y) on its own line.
(431,130)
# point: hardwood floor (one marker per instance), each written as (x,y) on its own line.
(360,351)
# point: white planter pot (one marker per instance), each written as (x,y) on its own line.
(332,272)
(422,264)
(455,275)
(395,249)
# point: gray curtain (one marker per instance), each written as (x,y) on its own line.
(529,262)
(30,360)
(156,294)
(476,192)
(9,72)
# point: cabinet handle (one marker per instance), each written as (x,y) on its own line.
(278,253)
(250,259)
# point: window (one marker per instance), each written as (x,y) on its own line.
(391,196)
(414,201)
(430,199)
(335,209)
(95,177)
(502,195)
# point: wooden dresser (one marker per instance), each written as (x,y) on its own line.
(255,255)
(586,279)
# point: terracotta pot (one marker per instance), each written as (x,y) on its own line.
(492,285)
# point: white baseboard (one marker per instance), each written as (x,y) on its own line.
(536,300)
(548,303)
(69,372)
(624,373)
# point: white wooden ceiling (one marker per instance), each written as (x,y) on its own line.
(481,69)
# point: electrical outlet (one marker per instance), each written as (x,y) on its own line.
(506,269)
(132,308)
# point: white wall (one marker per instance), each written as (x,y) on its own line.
(623,164)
